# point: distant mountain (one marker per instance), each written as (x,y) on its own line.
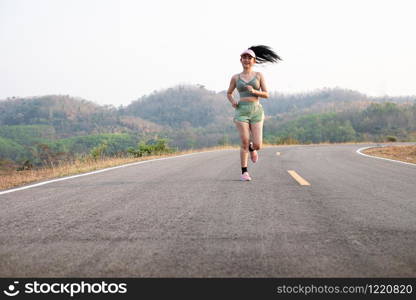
(325,101)
(195,106)
(191,116)
(69,116)
(182,106)
(63,127)
(176,107)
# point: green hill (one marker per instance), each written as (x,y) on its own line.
(192,117)
(182,106)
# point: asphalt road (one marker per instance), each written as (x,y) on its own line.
(190,216)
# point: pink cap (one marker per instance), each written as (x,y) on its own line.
(249,52)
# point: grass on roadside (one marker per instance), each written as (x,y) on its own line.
(402,153)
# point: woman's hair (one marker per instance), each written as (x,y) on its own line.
(264,54)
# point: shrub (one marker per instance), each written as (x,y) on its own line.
(155,147)
(391,138)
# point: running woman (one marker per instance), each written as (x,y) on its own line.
(249,114)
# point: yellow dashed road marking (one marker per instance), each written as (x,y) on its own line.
(298,178)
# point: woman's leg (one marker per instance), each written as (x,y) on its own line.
(257,134)
(244,131)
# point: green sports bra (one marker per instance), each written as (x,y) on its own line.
(241,86)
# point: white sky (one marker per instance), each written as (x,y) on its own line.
(113,52)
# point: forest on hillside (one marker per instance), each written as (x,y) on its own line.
(60,127)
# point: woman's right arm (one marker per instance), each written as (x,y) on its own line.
(230,92)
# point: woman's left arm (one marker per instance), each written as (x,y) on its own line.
(263,93)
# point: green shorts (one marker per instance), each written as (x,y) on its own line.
(249,112)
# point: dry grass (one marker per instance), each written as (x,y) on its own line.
(12,178)
(402,153)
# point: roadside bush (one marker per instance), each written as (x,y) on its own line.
(391,138)
(154,147)
(99,151)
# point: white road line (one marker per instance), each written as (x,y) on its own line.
(397,161)
(99,171)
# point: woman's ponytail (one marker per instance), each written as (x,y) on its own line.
(264,54)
